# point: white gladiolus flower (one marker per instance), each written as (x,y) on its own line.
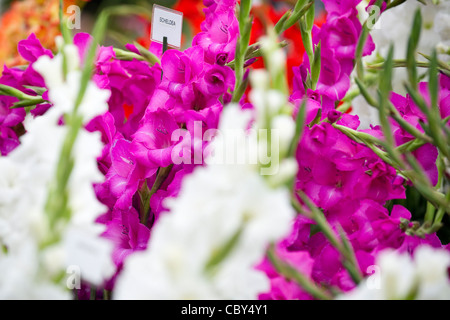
(388,29)
(368,115)
(435,33)
(432,266)
(218,205)
(64,93)
(285,127)
(422,277)
(23,278)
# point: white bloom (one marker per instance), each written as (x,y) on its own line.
(284,125)
(21,277)
(431,267)
(367,114)
(394,27)
(268,104)
(216,203)
(288,168)
(64,93)
(397,275)
(89,252)
(260,79)
(423,277)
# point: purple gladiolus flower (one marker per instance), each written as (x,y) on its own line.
(219,39)
(334,79)
(340,6)
(341,34)
(152,142)
(126,233)
(31,49)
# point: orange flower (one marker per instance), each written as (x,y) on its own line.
(40,17)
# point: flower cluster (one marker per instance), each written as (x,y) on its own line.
(345,179)
(38,241)
(150,148)
(191,175)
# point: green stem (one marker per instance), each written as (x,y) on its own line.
(342,245)
(93,293)
(162,175)
(106,294)
(291,274)
(441,211)
(394,3)
(429,214)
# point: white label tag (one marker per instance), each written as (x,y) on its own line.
(167,23)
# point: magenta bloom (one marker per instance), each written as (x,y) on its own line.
(213,8)
(181,72)
(341,34)
(182,67)
(152,142)
(126,233)
(219,39)
(372,2)
(334,79)
(8,140)
(31,49)
(427,154)
(132,83)
(217,80)
(282,289)
(340,6)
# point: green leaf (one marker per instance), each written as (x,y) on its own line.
(316,66)
(295,17)
(245,36)
(412,47)
(395,114)
(310,16)
(300,4)
(443,67)
(307,39)
(13,92)
(149,56)
(433,84)
(292,274)
(418,100)
(361,43)
(365,93)
(385,87)
(299,126)
(27,103)
(127,55)
(244,13)
(223,252)
(394,3)
(279,26)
